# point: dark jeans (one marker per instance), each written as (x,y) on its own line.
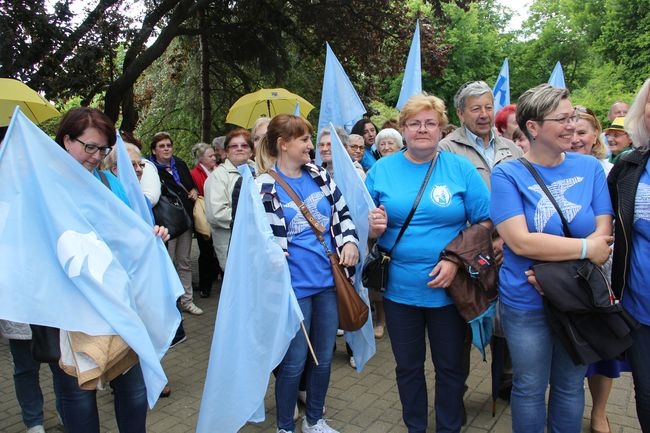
(208,264)
(639,354)
(80,407)
(407,326)
(26,382)
(321,321)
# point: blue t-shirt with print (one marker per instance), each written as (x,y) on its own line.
(309,265)
(636,298)
(454,196)
(578,185)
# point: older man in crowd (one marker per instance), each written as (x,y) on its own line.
(478,141)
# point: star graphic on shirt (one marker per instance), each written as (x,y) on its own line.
(545,209)
(299,223)
(642,202)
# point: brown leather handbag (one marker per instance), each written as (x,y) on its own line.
(353,311)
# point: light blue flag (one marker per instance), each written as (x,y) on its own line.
(130,183)
(76,257)
(501,90)
(258,317)
(339,103)
(412,81)
(557,77)
(296,109)
(360,203)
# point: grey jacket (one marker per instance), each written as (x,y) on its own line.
(458,143)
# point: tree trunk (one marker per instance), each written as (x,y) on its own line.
(206,107)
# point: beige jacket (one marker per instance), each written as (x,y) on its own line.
(218,205)
(458,143)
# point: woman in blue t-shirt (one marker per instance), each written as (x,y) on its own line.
(629,185)
(286,150)
(415,302)
(532,230)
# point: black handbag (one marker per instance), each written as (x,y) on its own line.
(579,303)
(374,275)
(170,212)
(45,345)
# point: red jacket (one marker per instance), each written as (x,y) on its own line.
(199,176)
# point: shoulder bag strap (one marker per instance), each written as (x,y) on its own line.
(313,223)
(416,202)
(540,181)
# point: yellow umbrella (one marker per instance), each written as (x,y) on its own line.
(265,102)
(14,93)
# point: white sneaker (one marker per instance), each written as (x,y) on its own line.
(353,363)
(36,429)
(191,308)
(340,332)
(320,427)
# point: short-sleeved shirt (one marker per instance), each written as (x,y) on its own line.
(454,196)
(636,298)
(578,185)
(309,264)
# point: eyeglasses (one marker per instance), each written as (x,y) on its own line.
(615,134)
(356,146)
(562,120)
(164,145)
(239,146)
(93,148)
(138,164)
(415,125)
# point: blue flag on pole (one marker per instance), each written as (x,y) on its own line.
(501,90)
(258,317)
(130,183)
(360,203)
(339,103)
(412,81)
(557,77)
(77,258)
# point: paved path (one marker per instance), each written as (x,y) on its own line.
(356,403)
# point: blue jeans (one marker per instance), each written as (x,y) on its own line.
(321,321)
(638,356)
(540,359)
(26,382)
(406,327)
(80,406)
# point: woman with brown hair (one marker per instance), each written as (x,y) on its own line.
(286,151)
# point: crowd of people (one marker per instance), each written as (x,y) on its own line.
(430,181)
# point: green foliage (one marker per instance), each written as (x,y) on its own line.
(625,39)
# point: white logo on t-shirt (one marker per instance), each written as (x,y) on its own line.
(440,195)
(642,202)
(545,209)
(299,223)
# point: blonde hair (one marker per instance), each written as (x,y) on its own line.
(110,162)
(635,124)
(598,150)
(423,102)
(286,126)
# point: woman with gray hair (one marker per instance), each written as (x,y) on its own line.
(532,231)
(206,161)
(388,141)
(629,186)
(325,147)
